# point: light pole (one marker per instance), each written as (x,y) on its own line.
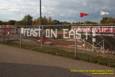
(40,10)
(41,22)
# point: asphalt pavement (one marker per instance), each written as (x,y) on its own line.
(16,62)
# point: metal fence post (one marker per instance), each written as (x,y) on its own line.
(20,39)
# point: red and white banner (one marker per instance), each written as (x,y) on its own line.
(96,29)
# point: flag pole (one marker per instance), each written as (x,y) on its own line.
(104,13)
(82,15)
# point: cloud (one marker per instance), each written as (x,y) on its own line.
(58,9)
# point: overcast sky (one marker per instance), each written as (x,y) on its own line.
(66,10)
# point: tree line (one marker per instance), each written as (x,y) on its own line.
(28,20)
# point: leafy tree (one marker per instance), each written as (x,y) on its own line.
(50,21)
(90,22)
(27,20)
(11,22)
(1,22)
(19,24)
(107,20)
(55,22)
(44,21)
(64,22)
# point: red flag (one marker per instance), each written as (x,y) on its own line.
(82,14)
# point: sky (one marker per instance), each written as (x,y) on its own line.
(65,10)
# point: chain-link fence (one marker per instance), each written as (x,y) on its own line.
(70,45)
